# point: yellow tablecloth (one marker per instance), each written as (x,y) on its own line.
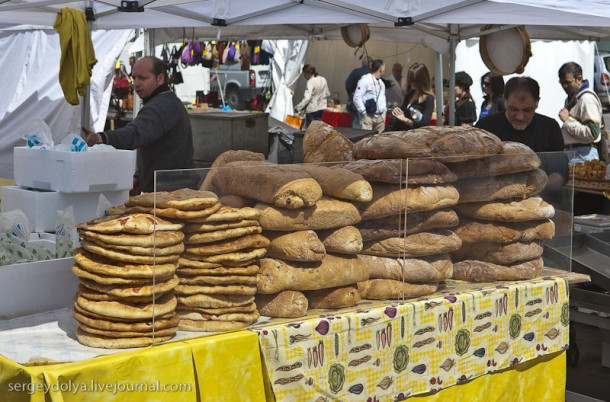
(391,351)
(224,367)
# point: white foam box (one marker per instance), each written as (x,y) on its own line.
(36,287)
(74,172)
(41,207)
(593,223)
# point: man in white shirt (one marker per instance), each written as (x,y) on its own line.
(394,93)
(369,98)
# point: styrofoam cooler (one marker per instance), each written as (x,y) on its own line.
(41,207)
(74,172)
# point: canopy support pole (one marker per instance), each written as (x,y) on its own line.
(438,88)
(453,40)
(85,111)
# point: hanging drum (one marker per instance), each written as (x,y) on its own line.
(355,35)
(507,51)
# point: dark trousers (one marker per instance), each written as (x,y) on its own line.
(309,117)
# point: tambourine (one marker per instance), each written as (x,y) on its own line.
(355,35)
(505,52)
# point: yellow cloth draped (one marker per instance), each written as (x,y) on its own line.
(77,53)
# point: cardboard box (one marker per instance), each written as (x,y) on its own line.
(593,223)
(36,287)
(74,172)
(41,206)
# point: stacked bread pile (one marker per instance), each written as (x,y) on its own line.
(306,214)
(127,271)
(406,232)
(217,270)
(501,220)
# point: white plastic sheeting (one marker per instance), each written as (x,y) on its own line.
(286,65)
(29,62)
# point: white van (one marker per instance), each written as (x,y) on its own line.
(601,75)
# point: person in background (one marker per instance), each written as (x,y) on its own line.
(314,99)
(581,114)
(492,86)
(394,94)
(369,98)
(465,109)
(132,61)
(419,98)
(351,83)
(161,131)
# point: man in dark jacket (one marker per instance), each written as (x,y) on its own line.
(161,131)
(351,83)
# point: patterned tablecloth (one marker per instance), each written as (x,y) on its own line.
(390,350)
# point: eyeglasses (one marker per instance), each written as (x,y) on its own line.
(485,84)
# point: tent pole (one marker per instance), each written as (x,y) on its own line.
(438,88)
(453,39)
(85,111)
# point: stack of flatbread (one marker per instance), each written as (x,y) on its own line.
(127,268)
(218,270)
(502,222)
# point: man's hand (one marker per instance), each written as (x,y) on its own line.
(564,114)
(91,137)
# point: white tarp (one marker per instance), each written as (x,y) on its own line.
(31,60)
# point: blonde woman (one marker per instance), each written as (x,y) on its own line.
(314,99)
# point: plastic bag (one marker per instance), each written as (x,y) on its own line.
(37,134)
(72,143)
(66,235)
(102,206)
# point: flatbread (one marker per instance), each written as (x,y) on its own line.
(184,199)
(218,280)
(127,334)
(241,256)
(110,325)
(101,266)
(239,290)
(229,246)
(131,311)
(95,295)
(138,250)
(125,257)
(112,280)
(130,290)
(81,310)
(100,341)
(219,271)
(249,308)
(210,237)
(215,300)
(138,223)
(216,226)
(227,213)
(210,326)
(196,261)
(175,213)
(198,316)
(161,238)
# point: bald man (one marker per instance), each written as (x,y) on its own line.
(394,92)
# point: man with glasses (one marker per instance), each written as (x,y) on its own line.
(581,115)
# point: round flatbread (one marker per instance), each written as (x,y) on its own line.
(483,271)
(218,280)
(177,213)
(138,223)
(100,341)
(81,310)
(210,237)
(240,290)
(184,199)
(127,334)
(215,300)
(198,316)
(112,280)
(126,257)
(210,326)
(529,209)
(110,325)
(240,256)
(160,238)
(229,246)
(105,267)
(249,308)
(219,271)
(196,261)
(131,311)
(227,213)
(137,250)
(216,226)
(130,290)
(95,295)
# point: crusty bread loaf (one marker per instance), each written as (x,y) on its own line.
(345,240)
(411,171)
(223,159)
(514,157)
(322,143)
(529,209)
(286,304)
(344,296)
(433,268)
(424,243)
(482,271)
(451,143)
(498,253)
(338,182)
(276,275)
(328,213)
(302,245)
(236,201)
(393,226)
(378,289)
(517,185)
(475,231)
(390,200)
(267,182)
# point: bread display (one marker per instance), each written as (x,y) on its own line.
(301,245)
(285,304)
(322,143)
(396,171)
(339,297)
(344,240)
(378,289)
(518,185)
